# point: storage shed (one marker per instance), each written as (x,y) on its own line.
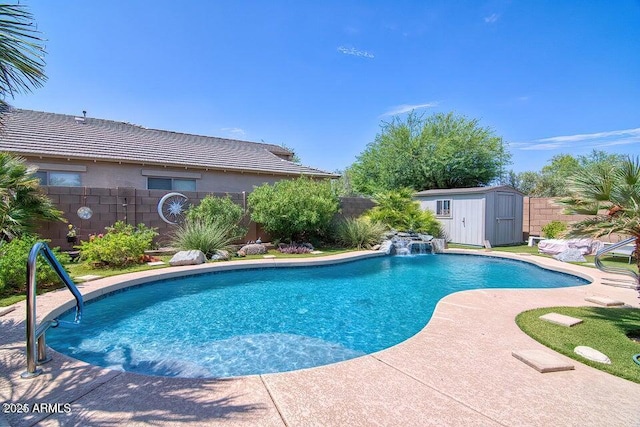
(472,215)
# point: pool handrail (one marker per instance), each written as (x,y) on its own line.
(36,344)
(616,270)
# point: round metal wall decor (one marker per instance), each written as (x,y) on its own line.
(85,212)
(171,207)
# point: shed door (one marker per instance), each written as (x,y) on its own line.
(505,219)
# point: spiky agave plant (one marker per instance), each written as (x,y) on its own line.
(610,194)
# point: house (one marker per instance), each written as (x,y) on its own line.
(100,171)
(472,216)
(80,151)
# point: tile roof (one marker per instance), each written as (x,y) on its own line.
(30,133)
(449,191)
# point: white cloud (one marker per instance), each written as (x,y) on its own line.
(405,108)
(234,132)
(523,98)
(355,52)
(543,147)
(592,136)
(623,141)
(596,140)
(492,19)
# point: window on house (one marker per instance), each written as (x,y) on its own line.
(60,179)
(42,176)
(175,184)
(443,208)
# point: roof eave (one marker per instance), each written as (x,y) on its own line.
(256,171)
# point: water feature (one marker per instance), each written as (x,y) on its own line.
(408,244)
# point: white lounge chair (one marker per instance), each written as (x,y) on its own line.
(625,251)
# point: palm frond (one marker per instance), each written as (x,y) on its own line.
(21,51)
(614,189)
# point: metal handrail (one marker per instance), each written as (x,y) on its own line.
(36,344)
(616,270)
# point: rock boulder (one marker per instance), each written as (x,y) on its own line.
(254,249)
(192,257)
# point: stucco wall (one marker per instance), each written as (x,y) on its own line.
(113,175)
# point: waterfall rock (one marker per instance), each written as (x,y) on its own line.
(438,245)
(387,247)
(406,244)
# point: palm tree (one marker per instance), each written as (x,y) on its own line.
(610,193)
(22,204)
(21,52)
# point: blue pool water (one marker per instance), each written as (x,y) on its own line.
(272,320)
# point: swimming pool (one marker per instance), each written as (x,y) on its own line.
(279,319)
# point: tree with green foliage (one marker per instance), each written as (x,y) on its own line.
(343,186)
(551,181)
(440,151)
(21,52)
(397,210)
(22,204)
(525,182)
(294,209)
(610,194)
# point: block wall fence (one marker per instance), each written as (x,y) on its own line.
(538,212)
(135,206)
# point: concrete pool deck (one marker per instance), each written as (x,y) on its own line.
(458,370)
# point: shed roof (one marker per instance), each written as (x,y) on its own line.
(36,133)
(471,190)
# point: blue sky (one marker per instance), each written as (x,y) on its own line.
(550,77)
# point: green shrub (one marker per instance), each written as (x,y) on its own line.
(13,264)
(219,210)
(554,229)
(359,232)
(297,209)
(398,210)
(207,237)
(121,245)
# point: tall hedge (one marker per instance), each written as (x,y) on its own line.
(297,209)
